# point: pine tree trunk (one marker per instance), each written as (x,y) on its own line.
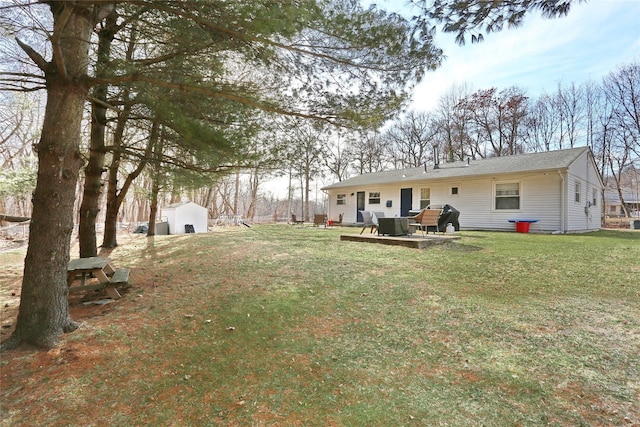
(115,197)
(92,186)
(110,239)
(155,184)
(153,214)
(44,308)
(95,167)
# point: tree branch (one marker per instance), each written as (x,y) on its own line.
(35,56)
(215,93)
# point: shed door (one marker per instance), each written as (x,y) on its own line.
(406,200)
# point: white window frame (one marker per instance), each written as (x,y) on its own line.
(422,201)
(495,196)
(374,198)
(578,189)
(341,199)
(457,188)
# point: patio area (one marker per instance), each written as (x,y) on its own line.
(415,241)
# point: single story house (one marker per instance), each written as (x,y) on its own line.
(186,217)
(561,190)
(613,206)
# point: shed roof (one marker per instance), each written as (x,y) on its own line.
(548,160)
(180,204)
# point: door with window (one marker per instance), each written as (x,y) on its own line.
(359,205)
(406,200)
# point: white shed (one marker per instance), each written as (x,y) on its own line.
(180,215)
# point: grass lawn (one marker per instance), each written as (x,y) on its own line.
(287,326)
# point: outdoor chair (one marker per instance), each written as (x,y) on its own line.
(377,215)
(425,219)
(319,219)
(338,222)
(369,220)
(295,221)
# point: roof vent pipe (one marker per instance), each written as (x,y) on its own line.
(436,160)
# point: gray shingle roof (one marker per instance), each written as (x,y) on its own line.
(547,160)
(629,196)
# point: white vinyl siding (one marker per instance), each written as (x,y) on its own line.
(580,180)
(547,196)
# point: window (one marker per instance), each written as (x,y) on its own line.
(454,191)
(594,197)
(577,196)
(425,197)
(342,199)
(507,195)
(374,198)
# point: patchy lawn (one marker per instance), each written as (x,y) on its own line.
(287,326)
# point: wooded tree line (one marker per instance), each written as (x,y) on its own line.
(465,124)
(173,93)
(603,115)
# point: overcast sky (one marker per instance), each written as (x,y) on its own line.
(595,38)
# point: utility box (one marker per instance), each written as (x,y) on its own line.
(634,224)
(162,228)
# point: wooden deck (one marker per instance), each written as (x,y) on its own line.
(415,241)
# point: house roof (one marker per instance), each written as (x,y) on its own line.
(611,196)
(531,162)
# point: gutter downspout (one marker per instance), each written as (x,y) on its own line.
(563,208)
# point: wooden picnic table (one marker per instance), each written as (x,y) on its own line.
(99,272)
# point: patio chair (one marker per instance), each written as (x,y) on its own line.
(369,220)
(425,219)
(295,221)
(337,222)
(319,219)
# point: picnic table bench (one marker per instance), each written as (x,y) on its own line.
(99,272)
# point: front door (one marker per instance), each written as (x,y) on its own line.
(406,200)
(359,206)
